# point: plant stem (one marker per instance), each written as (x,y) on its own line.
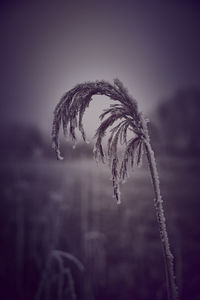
(158,202)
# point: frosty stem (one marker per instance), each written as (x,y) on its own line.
(158,202)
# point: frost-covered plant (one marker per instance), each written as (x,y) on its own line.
(50,278)
(69,113)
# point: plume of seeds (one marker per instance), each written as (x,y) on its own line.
(69,114)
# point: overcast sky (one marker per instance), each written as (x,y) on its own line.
(49,46)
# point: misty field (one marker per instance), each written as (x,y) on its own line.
(49,208)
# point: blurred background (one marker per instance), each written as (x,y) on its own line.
(62,235)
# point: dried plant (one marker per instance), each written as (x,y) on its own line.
(64,273)
(69,113)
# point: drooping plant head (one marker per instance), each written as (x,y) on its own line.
(69,114)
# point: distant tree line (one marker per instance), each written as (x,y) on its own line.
(176,123)
(25,142)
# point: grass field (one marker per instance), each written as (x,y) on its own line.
(68,206)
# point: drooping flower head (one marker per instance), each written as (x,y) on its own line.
(69,114)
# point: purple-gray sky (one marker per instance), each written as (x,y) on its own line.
(49,46)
